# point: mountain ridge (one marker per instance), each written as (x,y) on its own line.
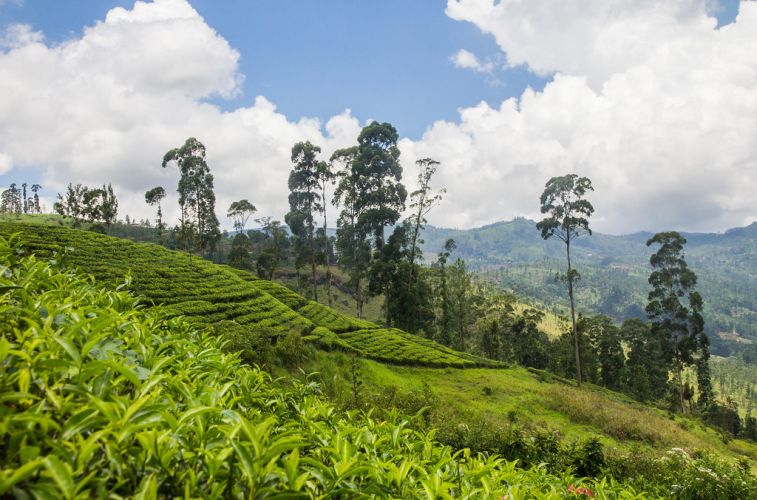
(614,271)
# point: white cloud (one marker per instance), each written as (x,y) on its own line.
(6,163)
(648,99)
(18,35)
(467,60)
(106,107)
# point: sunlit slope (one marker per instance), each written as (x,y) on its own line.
(208,293)
(102,398)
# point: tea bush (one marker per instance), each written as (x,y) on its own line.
(102,397)
(236,303)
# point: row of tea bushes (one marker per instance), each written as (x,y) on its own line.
(101,397)
(211,294)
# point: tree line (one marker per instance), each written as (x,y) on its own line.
(380,253)
(15,200)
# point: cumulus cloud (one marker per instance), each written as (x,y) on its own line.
(467,60)
(18,35)
(649,99)
(106,107)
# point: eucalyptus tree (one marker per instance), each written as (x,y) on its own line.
(305,203)
(154,197)
(108,206)
(326,177)
(24,198)
(567,218)
(422,201)
(675,308)
(10,200)
(352,243)
(381,195)
(196,196)
(35,189)
(240,212)
(444,300)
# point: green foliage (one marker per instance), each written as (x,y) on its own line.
(198,221)
(614,272)
(211,295)
(101,397)
(680,325)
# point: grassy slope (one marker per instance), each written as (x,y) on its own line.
(210,293)
(102,398)
(533,399)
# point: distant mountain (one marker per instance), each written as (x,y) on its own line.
(614,271)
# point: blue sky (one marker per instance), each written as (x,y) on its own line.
(387,60)
(391,61)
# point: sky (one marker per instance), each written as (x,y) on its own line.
(655,101)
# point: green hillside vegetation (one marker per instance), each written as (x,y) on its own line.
(492,409)
(614,271)
(103,395)
(213,295)
(104,398)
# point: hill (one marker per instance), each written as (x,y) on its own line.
(614,271)
(100,397)
(231,301)
(529,415)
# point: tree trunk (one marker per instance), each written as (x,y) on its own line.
(326,254)
(386,309)
(681,399)
(358,299)
(579,375)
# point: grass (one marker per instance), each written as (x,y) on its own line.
(535,400)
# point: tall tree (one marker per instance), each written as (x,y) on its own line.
(673,284)
(422,201)
(326,176)
(459,283)
(196,196)
(274,247)
(305,203)
(380,195)
(444,314)
(567,218)
(108,206)
(35,190)
(352,242)
(153,197)
(240,212)
(10,200)
(24,198)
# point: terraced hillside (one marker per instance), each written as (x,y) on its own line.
(208,294)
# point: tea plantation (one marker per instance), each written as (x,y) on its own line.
(210,294)
(103,398)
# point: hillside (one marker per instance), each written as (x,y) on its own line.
(614,271)
(226,299)
(235,303)
(103,398)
